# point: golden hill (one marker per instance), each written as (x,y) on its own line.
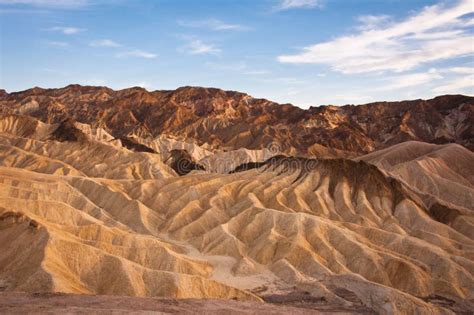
(82,213)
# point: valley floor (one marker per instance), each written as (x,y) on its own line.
(59,303)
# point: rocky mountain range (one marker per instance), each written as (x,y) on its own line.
(233,120)
(210,196)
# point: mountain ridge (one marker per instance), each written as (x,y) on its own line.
(233,120)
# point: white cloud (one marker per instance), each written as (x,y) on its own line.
(49,3)
(464,84)
(422,38)
(197,47)
(256,72)
(213,24)
(410,80)
(445,81)
(58,43)
(461,70)
(67,30)
(292,91)
(104,43)
(240,67)
(54,71)
(368,22)
(137,53)
(298,4)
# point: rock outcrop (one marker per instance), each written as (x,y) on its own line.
(231,120)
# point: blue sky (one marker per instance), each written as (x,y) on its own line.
(305,52)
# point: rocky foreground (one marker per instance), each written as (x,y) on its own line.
(60,303)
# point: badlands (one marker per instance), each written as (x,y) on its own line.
(202,199)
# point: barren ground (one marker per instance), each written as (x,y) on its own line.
(25,303)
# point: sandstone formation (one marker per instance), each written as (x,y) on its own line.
(82,212)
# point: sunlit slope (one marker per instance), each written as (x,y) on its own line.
(63,149)
(290,224)
(442,174)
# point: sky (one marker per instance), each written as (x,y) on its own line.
(304,52)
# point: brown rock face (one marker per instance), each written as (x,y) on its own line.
(66,131)
(234,120)
(182,162)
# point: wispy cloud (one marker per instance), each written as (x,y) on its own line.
(369,22)
(198,47)
(48,3)
(11,10)
(463,82)
(445,80)
(213,24)
(422,38)
(410,80)
(54,71)
(137,53)
(460,85)
(298,4)
(460,70)
(104,43)
(240,67)
(256,72)
(58,43)
(67,30)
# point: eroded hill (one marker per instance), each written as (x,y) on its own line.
(80,212)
